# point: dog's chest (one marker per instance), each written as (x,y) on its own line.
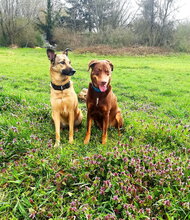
(98,107)
(63,101)
(97,101)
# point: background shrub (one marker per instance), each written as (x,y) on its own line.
(182,38)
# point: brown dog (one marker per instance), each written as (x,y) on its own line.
(101,101)
(64,100)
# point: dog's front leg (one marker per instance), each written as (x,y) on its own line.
(88,132)
(71,126)
(56,118)
(105,128)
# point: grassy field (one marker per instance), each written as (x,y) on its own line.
(144,174)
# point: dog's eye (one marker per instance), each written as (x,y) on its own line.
(62,62)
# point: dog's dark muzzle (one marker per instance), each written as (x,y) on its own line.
(68,72)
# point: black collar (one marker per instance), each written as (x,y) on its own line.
(61,88)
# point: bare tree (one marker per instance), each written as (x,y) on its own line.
(15,15)
(166,20)
(124,13)
(149,11)
(156,23)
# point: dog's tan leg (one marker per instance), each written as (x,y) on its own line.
(56,118)
(71,126)
(88,132)
(105,129)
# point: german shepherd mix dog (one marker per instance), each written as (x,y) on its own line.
(101,101)
(64,101)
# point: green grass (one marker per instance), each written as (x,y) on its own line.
(144,174)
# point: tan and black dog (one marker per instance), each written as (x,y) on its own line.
(64,101)
(101,101)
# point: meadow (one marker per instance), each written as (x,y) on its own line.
(144,174)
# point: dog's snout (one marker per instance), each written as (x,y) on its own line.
(64,72)
(68,72)
(103,83)
(73,71)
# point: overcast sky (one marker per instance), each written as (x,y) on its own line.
(183,6)
(184,10)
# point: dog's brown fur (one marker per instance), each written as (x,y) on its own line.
(64,103)
(101,101)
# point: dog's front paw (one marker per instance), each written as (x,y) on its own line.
(104,140)
(71,140)
(57,144)
(86,140)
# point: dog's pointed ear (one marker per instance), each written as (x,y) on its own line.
(66,52)
(111,65)
(51,55)
(92,63)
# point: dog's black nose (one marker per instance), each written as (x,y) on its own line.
(103,83)
(68,72)
(73,72)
